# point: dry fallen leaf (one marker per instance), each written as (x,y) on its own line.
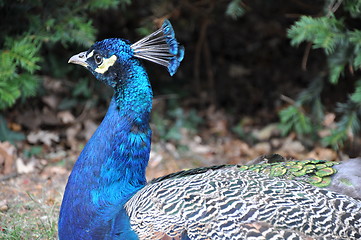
(71,135)
(292,146)
(42,137)
(66,117)
(29,119)
(323,153)
(48,117)
(196,146)
(329,120)
(266,132)
(53,170)
(4,206)
(236,149)
(262,148)
(25,168)
(52,101)
(7,156)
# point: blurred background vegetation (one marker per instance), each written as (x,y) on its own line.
(295,63)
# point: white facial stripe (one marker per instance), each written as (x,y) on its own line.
(107,63)
(90,54)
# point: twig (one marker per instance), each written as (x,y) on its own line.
(305,56)
(288,99)
(292,102)
(334,6)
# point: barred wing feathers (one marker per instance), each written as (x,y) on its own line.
(227,203)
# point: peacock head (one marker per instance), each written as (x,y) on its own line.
(109,59)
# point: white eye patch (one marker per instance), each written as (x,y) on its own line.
(107,63)
(90,54)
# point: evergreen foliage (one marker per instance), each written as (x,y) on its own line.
(235,9)
(27,26)
(342,45)
(349,124)
(295,117)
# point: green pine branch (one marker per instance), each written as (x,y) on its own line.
(323,32)
(342,47)
(20,52)
(294,118)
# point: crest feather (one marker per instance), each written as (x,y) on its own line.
(161,47)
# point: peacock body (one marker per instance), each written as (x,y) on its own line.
(228,203)
(107,196)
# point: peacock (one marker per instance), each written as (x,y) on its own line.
(107,195)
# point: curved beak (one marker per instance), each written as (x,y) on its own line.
(79,59)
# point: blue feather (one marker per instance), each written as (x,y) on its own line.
(161,47)
(111,167)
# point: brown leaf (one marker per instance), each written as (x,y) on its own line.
(7,156)
(48,117)
(322,153)
(4,206)
(42,137)
(66,117)
(262,148)
(236,150)
(292,146)
(266,132)
(52,101)
(71,134)
(329,120)
(30,119)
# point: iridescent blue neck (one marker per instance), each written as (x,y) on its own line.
(111,168)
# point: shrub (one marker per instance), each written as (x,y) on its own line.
(26,26)
(342,46)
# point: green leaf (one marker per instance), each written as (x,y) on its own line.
(335,72)
(335,139)
(7,66)
(9,92)
(33,151)
(355,37)
(349,123)
(323,32)
(356,96)
(6,134)
(357,60)
(235,10)
(28,84)
(292,118)
(24,52)
(104,4)
(312,92)
(31,25)
(353,7)
(76,30)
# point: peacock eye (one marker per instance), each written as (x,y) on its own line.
(98,59)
